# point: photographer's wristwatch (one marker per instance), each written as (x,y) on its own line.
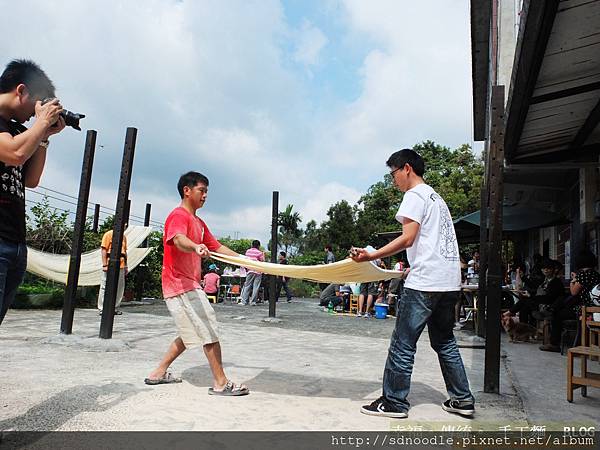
(44,144)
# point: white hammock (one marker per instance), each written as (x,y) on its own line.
(346,271)
(56,267)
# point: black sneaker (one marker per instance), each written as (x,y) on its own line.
(455,407)
(381,407)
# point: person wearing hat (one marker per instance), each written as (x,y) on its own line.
(212,281)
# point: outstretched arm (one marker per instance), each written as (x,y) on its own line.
(185,244)
(410,229)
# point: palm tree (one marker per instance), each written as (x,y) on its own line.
(289,230)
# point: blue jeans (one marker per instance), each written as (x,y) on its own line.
(415,309)
(251,287)
(13,262)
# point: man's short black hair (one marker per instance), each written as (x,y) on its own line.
(407,156)
(547,263)
(190,179)
(329,247)
(585,260)
(284,254)
(24,71)
(256,243)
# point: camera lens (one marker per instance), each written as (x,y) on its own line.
(71,118)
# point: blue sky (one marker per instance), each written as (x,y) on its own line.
(305,97)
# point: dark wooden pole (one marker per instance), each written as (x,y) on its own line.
(483,250)
(494,275)
(273,278)
(147,221)
(121,213)
(141,269)
(66,324)
(96,218)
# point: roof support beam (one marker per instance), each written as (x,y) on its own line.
(565,93)
(584,154)
(534,32)
(481,11)
(586,129)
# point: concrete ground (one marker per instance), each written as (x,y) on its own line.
(307,371)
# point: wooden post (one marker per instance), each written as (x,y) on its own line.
(494,273)
(121,213)
(483,250)
(66,324)
(96,218)
(274,227)
(147,221)
(141,269)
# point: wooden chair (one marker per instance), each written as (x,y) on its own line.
(353,303)
(588,349)
(212,298)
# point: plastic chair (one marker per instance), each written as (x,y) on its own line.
(233,291)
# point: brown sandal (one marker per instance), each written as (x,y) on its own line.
(230,389)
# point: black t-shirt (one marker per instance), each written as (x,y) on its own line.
(12,193)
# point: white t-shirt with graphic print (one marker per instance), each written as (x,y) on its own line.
(433,257)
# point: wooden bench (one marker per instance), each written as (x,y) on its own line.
(589,349)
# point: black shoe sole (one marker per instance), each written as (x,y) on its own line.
(462,412)
(393,415)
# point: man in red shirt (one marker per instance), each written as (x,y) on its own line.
(186,239)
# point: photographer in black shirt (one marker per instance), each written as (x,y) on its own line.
(23,86)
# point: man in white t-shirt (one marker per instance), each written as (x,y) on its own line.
(430,292)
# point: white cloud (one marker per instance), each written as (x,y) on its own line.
(207,85)
(416,82)
(326,195)
(311,41)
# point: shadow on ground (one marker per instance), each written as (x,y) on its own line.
(283,383)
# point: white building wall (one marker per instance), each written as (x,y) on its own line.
(508,13)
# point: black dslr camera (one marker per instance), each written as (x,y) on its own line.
(71,118)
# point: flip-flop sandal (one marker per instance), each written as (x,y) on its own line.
(168,378)
(231,389)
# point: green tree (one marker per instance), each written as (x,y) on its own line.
(289,230)
(237,245)
(340,228)
(455,174)
(376,210)
(48,229)
(313,240)
(148,275)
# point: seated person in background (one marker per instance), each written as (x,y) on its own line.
(463,268)
(331,293)
(382,288)
(547,293)
(473,265)
(212,281)
(582,282)
(535,277)
(368,290)
(396,285)
(346,292)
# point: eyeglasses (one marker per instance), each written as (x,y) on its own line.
(396,170)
